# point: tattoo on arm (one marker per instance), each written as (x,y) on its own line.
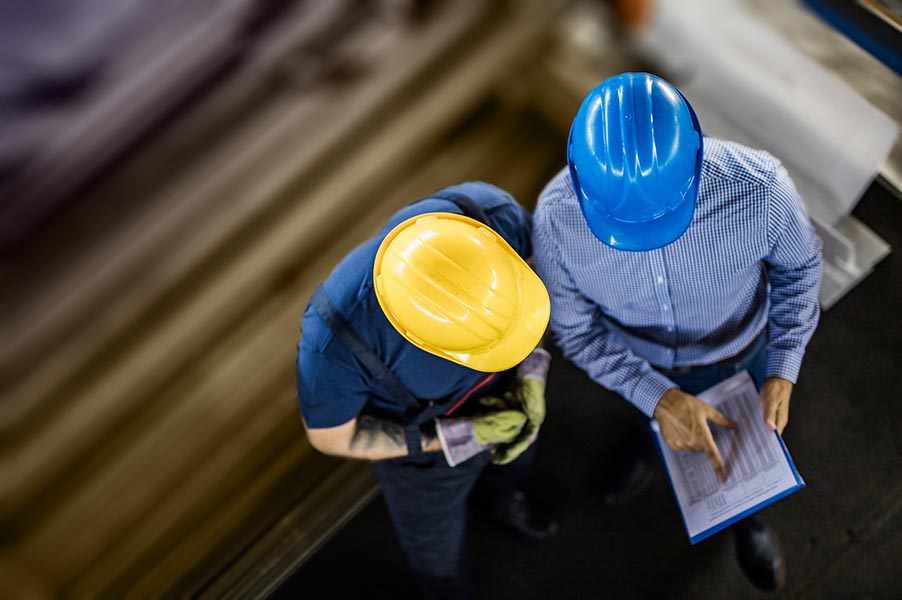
(372,433)
(375,434)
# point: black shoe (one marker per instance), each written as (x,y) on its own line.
(525,517)
(759,553)
(631,473)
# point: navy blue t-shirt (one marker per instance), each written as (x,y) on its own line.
(333,387)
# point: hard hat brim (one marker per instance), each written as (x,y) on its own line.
(646,235)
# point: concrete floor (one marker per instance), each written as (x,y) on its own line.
(842,534)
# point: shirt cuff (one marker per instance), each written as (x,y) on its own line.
(648,392)
(535,365)
(458,440)
(784,364)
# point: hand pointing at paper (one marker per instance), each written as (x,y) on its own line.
(683,419)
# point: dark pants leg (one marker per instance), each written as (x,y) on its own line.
(498,481)
(428,504)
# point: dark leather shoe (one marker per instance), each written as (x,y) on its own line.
(759,553)
(630,474)
(525,517)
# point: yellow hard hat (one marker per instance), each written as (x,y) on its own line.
(455,288)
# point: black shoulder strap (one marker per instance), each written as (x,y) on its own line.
(376,367)
(467,205)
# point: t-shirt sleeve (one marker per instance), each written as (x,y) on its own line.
(508,217)
(329,391)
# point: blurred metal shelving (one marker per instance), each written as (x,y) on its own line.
(150,434)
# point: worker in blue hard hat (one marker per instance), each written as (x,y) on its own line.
(674,261)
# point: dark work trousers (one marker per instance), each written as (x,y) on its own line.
(429,506)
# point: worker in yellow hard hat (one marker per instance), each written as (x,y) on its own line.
(422,353)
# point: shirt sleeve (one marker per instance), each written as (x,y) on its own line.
(329,393)
(795,268)
(508,217)
(580,331)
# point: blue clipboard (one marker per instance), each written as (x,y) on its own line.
(694,539)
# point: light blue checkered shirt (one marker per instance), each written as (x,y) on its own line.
(750,258)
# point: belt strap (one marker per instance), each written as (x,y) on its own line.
(750,348)
(467,205)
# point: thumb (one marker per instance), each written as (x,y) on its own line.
(770,412)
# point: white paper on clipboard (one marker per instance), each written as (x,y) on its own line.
(759,468)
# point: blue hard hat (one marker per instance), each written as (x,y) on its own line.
(635,159)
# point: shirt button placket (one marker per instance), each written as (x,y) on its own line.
(662,293)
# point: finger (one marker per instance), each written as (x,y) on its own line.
(782,416)
(677,444)
(492,402)
(500,455)
(517,440)
(511,451)
(715,416)
(514,418)
(713,454)
(506,457)
(770,406)
(681,442)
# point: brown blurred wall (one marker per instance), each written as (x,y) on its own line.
(151,444)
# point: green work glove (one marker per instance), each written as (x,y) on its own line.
(497,427)
(464,437)
(529,397)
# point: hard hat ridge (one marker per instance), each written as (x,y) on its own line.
(455,288)
(634,155)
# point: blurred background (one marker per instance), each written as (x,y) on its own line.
(176,177)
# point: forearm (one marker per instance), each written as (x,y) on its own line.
(375,438)
(613,365)
(370,438)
